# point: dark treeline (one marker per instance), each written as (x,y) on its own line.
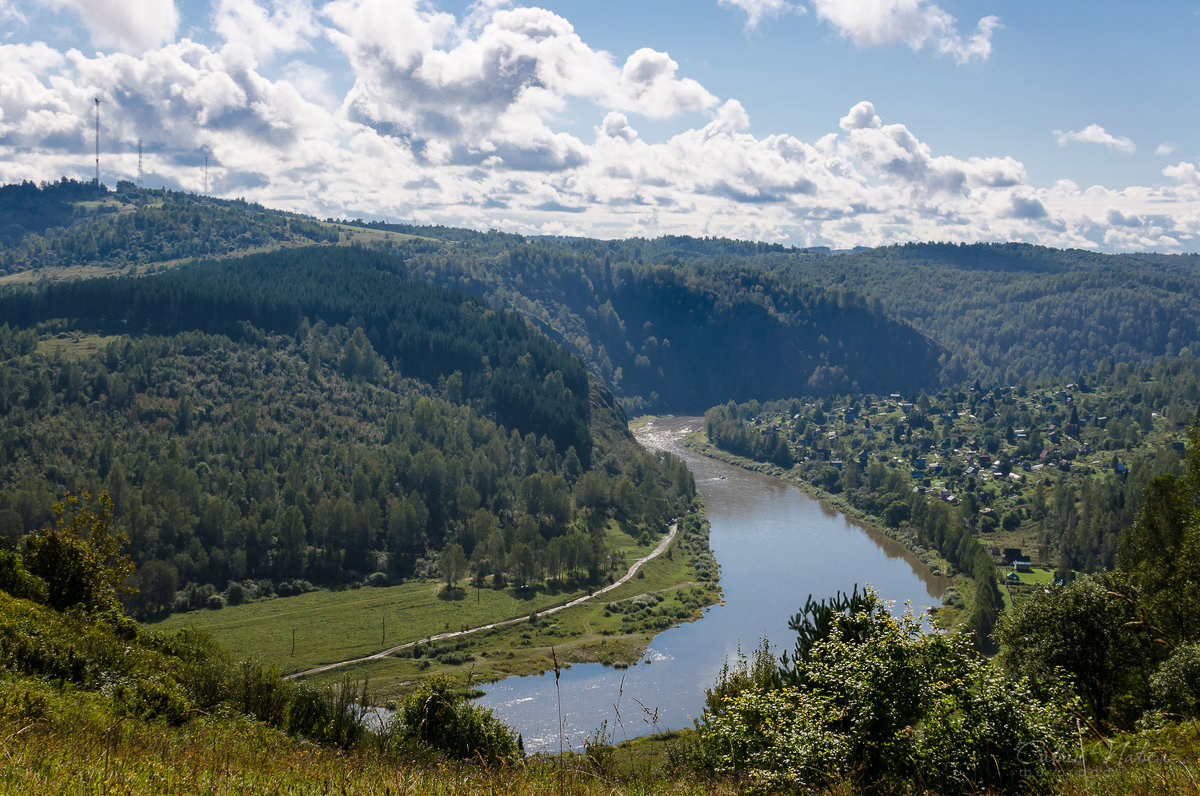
(28,208)
(265,461)
(669,335)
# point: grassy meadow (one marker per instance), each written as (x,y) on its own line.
(333,626)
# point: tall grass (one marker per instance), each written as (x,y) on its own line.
(68,742)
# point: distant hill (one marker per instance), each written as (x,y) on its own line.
(661,336)
(668,336)
(679,323)
(1015,313)
(69,224)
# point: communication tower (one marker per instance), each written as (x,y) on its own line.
(141,179)
(97,141)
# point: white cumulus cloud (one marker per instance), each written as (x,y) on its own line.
(278,27)
(1184,173)
(917,23)
(129,25)
(488,89)
(649,85)
(758,10)
(1095,134)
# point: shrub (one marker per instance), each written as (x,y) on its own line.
(235,593)
(1175,687)
(434,716)
(17,581)
(881,704)
(81,560)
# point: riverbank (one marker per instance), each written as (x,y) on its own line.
(957,589)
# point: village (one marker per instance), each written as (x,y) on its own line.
(1043,477)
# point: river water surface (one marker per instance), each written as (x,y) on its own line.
(775,545)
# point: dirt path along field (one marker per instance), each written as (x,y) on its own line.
(657,551)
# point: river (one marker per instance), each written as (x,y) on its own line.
(775,546)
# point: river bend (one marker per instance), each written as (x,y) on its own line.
(775,546)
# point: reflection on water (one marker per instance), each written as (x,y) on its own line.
(775,546)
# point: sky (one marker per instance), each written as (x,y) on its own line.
(834,123)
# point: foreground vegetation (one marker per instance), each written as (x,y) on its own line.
(89,703)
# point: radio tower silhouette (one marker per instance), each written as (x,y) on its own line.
(97,141)
(141,180)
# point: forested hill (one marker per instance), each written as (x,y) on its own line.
(1016,313)
(668,336)
(68,224)
(661,334)
(679,323)
(1005,314)
(488,359)
(315,416)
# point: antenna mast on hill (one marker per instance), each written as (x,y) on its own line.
(141,179)
(206,174)
(97,141)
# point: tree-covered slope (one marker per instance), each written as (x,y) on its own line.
(662,334)
(679,336)
(1015,313)
(679,323)
(314,415)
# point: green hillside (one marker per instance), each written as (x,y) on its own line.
(660,335)
(1013,313)
(310,417)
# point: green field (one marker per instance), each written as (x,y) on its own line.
(332,626)
(74,346)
